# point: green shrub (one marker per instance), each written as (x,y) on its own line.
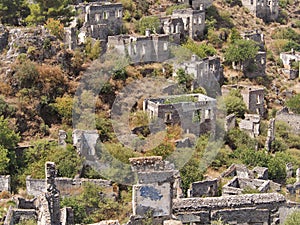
(170,9)
(293,218)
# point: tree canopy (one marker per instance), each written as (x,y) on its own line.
(42,10)
(294,103)
(241,50)
(13,12)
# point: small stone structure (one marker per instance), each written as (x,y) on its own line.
(267,10)
(205,188)
(62,136)
(289,170)
(142,49)
(238,209)
(238,185)
(238,170)
(253,97)
(230,122)
(288,58)
(260,173)
(5,183)
(293,120)
(195,113)
(154,192)
(85,142)
(250,124)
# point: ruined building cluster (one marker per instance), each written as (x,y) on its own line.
(158,191)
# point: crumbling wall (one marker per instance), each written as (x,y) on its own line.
(67,186)
(293,120)
(263,208)
(14,216)
(5,183)
(205,188)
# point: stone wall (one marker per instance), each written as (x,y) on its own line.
(205,188)
(67,186)
(263,208)
(14,216)
(5,183)
(3,37)
(293,120)
(230,122)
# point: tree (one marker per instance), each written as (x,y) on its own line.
(294,103)
(4,160)
(201,50)
(184,78)
(42,10)
(148,22)
(235,104)
(12,12)
(241,50)
(64,106)
(55,27)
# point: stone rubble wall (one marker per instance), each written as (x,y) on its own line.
(263,208)
(66,186)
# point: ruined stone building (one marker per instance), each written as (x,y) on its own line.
(155,193)
(195,113)
(97,20)
(257,66)
(193,21)
(289,60)
(250,124)
(5,181)
(45,208)
(253,97)
(142,49)
(207,72)
(293,120)
(265,9)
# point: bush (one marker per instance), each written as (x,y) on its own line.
(293,218)
(201,50)
(56,28)
(148,22)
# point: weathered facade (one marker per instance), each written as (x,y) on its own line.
(250,124)
(195,113)
(142,49)
(205,188)
(193,20)
(265,9)
(293,120)
(207,72)
(289,59)
(253,97)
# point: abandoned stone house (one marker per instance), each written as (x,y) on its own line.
(254,35)
(207,72)
(253,97)
(97,20)
(142,49)
(293,120)
(265,9)
(250,124)
(193,21)
(289,60)
(195,113)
